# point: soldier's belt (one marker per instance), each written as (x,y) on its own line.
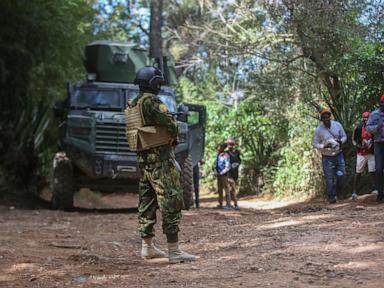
(150,166)
(162,154)
(153,165)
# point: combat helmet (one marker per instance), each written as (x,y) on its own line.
(149,79)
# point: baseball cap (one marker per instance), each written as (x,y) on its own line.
(324,111)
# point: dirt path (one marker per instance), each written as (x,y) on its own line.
(305,245)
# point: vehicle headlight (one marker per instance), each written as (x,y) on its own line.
(79,132)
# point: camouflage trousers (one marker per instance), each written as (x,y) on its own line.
(159,188)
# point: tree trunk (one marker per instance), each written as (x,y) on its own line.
(155,39)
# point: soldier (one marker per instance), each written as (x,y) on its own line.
(154,133)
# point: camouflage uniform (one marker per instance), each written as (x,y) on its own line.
(159,184)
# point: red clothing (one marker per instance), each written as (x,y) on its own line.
(367,142)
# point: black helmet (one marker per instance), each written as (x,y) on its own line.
(149,79)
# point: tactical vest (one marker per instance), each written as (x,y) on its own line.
(139,136)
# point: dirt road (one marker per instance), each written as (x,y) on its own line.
(305,245)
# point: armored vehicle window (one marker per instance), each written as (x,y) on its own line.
(193,118)
(167,99)
(96,99)
(131,94)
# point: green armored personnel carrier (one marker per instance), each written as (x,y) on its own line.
(93,150)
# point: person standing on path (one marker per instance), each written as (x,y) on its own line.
(328,137)
(376,127)
(159,185)
(363,141)
(233,175)
(196,182)
(221,170)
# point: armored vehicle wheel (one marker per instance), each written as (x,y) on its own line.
(187,182)
(63,186)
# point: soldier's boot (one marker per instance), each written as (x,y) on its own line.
(178,256)
(150,251)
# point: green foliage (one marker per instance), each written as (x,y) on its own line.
(298,170)
(122,21)
(362,80)
(289,58)
(23,144)
(256,134)
(41,49)
(198,90)
(262,69)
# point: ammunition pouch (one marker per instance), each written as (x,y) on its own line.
(139,136)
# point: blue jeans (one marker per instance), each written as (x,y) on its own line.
(379,163)
(334,167)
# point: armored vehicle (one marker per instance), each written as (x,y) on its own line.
(93,150)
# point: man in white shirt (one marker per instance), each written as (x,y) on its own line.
(328,137)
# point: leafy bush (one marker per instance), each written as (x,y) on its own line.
(255,131)
(298,171)
(41,49)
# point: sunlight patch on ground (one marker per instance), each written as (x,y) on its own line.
(357,265)
(280,224)
(98,278)
(20,267)
(238,256)
(332,247)
(367,248)
(316,217)
(286,222)
(209,245)
(7,278)
(265,204)
(210,199)
(318,245)
(313,218)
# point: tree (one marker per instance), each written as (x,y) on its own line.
(286,54)
(155,38)
(122,20)
(41,49)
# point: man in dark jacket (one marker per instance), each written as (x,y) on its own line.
(363,141)
(376,127)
